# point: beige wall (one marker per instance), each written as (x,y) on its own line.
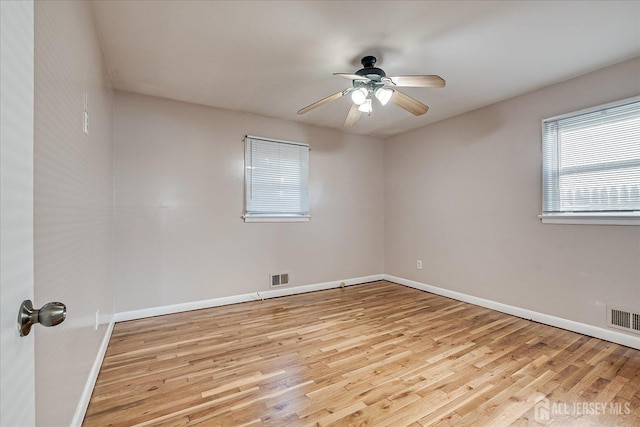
(73,203)
(179,176)
(462,195)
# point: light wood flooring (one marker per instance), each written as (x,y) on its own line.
(369,355)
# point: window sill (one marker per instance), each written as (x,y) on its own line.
(609,218)
(276,218)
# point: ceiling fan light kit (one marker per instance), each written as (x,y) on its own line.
(359,96)
(370,82)
(366,107)
(384,95)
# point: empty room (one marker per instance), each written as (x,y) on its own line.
(310,213)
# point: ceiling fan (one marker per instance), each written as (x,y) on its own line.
(371,82)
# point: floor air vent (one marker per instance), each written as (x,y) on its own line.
(623,318)
(279,280)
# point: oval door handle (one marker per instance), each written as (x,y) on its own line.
(51,314)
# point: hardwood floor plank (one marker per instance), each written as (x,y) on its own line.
(375,355)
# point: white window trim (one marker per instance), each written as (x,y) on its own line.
(247,217)
(283,141)
(591,218)
(596,108)
(264,218)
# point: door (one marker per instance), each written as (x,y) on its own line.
(17,368)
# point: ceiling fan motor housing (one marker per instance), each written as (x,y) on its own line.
(369,70)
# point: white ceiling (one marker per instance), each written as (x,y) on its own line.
(275,57)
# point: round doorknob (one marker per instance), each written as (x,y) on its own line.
(51,314)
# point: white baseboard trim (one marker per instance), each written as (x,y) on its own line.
(83,404)
(234,299)
(581,328)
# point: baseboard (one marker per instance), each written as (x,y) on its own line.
(581,328)
(81,409)
(254,296)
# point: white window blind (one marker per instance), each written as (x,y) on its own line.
(591,160)
(276,180)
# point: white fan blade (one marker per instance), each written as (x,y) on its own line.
(418,81)
(352,76)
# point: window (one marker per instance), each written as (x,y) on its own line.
(591,165)
(276,180)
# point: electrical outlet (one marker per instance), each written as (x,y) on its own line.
(419,264)
(97,319)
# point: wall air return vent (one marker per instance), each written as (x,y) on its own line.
(623,318)
(278,280)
